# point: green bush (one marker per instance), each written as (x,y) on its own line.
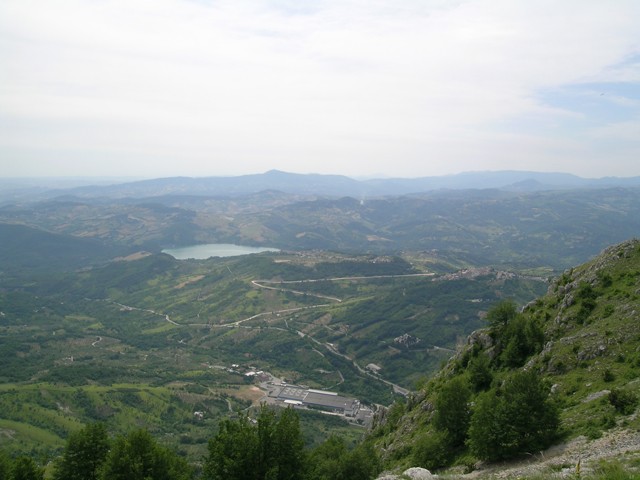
(608,376)
(432,450)
(608,310)
(479,371)
(514,419)
(452,410)
(624,401)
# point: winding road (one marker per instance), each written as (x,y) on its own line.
(269,285)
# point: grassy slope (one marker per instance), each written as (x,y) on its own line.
(585,356)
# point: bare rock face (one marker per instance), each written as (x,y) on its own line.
(482,338)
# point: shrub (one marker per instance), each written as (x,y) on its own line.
(432,450)
(593,432)
(608,376)
(624,401)
(452,410)
(517,418)
(608,421)
(479,371)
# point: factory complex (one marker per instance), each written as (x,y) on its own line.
(328,402)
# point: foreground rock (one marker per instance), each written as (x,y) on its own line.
(415,473)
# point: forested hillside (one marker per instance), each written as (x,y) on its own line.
(269,446)
(545,231)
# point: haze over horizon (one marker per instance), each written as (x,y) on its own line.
(379,89)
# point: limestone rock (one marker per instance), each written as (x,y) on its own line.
(418,473)
(414,473)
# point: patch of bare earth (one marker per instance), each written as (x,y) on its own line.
(252,393)
(132,257)
(189,280)
(561,461)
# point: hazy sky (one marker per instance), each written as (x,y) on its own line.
(356,87)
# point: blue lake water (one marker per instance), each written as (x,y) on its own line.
(207,250)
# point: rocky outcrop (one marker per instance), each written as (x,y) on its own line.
(414,473)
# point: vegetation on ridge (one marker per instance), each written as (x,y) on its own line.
(567,365)
(269,447)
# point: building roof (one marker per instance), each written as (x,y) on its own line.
(330,401)
(318,398)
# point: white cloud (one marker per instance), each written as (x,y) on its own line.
(620,131)
(403,87)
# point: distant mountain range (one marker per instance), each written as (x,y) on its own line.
(316,184)
(513,219)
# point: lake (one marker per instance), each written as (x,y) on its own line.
(207,250)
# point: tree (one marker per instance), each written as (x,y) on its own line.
(361,463)
(331,460)
(521,337)
(431,450)
(479,371)
(24,468)
(452,410)
(138,457)
(233,451)
(624,401)
(84,454)
(288,449)
(326,461)
(517,418)
(500,315)
(485,430)
(5,465)
(266,468)
(272,449)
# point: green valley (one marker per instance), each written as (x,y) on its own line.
(152,340)
(380,301)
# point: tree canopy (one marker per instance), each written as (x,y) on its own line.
(518,417)
(270,449)
(137,456)
(84,454)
